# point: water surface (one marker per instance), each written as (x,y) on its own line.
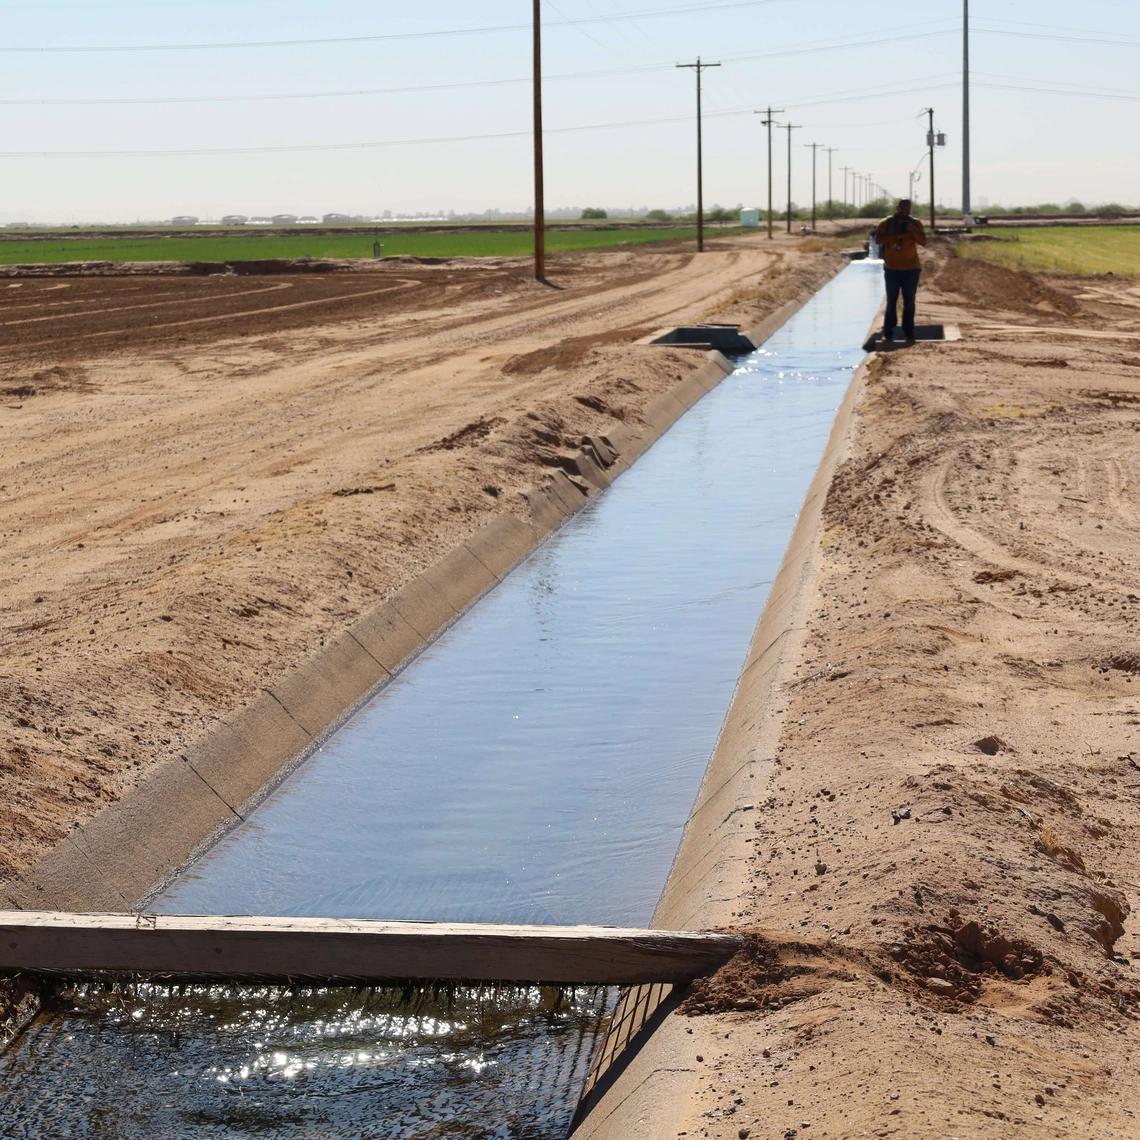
(537,763)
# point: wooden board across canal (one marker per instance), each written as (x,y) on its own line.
(351,950)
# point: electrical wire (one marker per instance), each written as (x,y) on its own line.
(1059,91)
(804,48)
(1059,28)
(321,41)
(1079,88)
(307,147)
(1065,39)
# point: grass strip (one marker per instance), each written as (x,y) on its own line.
(255,247)
(1063,249)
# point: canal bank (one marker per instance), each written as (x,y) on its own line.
(942,889)
(643,1077)
(768,375)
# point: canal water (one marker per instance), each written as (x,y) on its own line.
(535,764)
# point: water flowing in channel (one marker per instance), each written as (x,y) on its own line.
(535,764)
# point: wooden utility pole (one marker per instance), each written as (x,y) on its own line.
(846,170)
(965,111)
(929,112)
(698,67)
(814,148)
(830,200)
(539,203)
(789,127)
(768,121)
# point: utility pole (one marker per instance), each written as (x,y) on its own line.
(845,171)
(789,127)
(768,122)
(929,112)
(814,148)
(698,67)
(830,200)
(539,203)
(966,112)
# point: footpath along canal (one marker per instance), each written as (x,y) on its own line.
(535,764)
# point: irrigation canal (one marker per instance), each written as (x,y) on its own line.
(535,764)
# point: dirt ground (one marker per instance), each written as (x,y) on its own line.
(948,853)
(202,478)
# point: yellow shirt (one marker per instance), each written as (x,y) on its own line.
(899,240)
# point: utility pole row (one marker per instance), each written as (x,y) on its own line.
(698,67)
(539,204)
(830,200)
(768,121)
(814,148)
(789,127)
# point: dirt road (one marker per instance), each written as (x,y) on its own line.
(947,850)
(201,478)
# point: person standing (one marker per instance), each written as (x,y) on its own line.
(899,237)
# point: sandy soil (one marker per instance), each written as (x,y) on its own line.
(202,478)
(947,854)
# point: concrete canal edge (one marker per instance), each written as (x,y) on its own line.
(640,1085)
(126,853)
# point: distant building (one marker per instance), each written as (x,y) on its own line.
(184,220)
(234,220)
(260,221)
(308,220)
(336,219)
(16,225)
(284,219)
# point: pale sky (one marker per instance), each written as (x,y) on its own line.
(1054,102)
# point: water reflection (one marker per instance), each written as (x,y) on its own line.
(145,1061)
(538,762)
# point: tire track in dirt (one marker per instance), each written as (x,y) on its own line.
(274,288)
(245,314)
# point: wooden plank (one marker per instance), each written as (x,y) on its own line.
(330,949)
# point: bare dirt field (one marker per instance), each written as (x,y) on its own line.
(947,855)
(202,478)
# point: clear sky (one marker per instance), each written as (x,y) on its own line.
(1054,102)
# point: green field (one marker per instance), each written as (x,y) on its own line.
(254,247)
(1063,249)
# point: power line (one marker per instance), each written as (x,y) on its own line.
(303,147)
(322,41)
(499,28)
(792,49)
(1058,91)
(1066,39)
(841,97)
(1124,36)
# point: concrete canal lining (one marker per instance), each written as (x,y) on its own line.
(182,806)
(640,1086)
(700,860)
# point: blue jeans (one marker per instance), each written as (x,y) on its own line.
(903,281)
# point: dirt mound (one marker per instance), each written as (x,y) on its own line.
(951,959)
(763,974)
(994,287)
(568,351)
